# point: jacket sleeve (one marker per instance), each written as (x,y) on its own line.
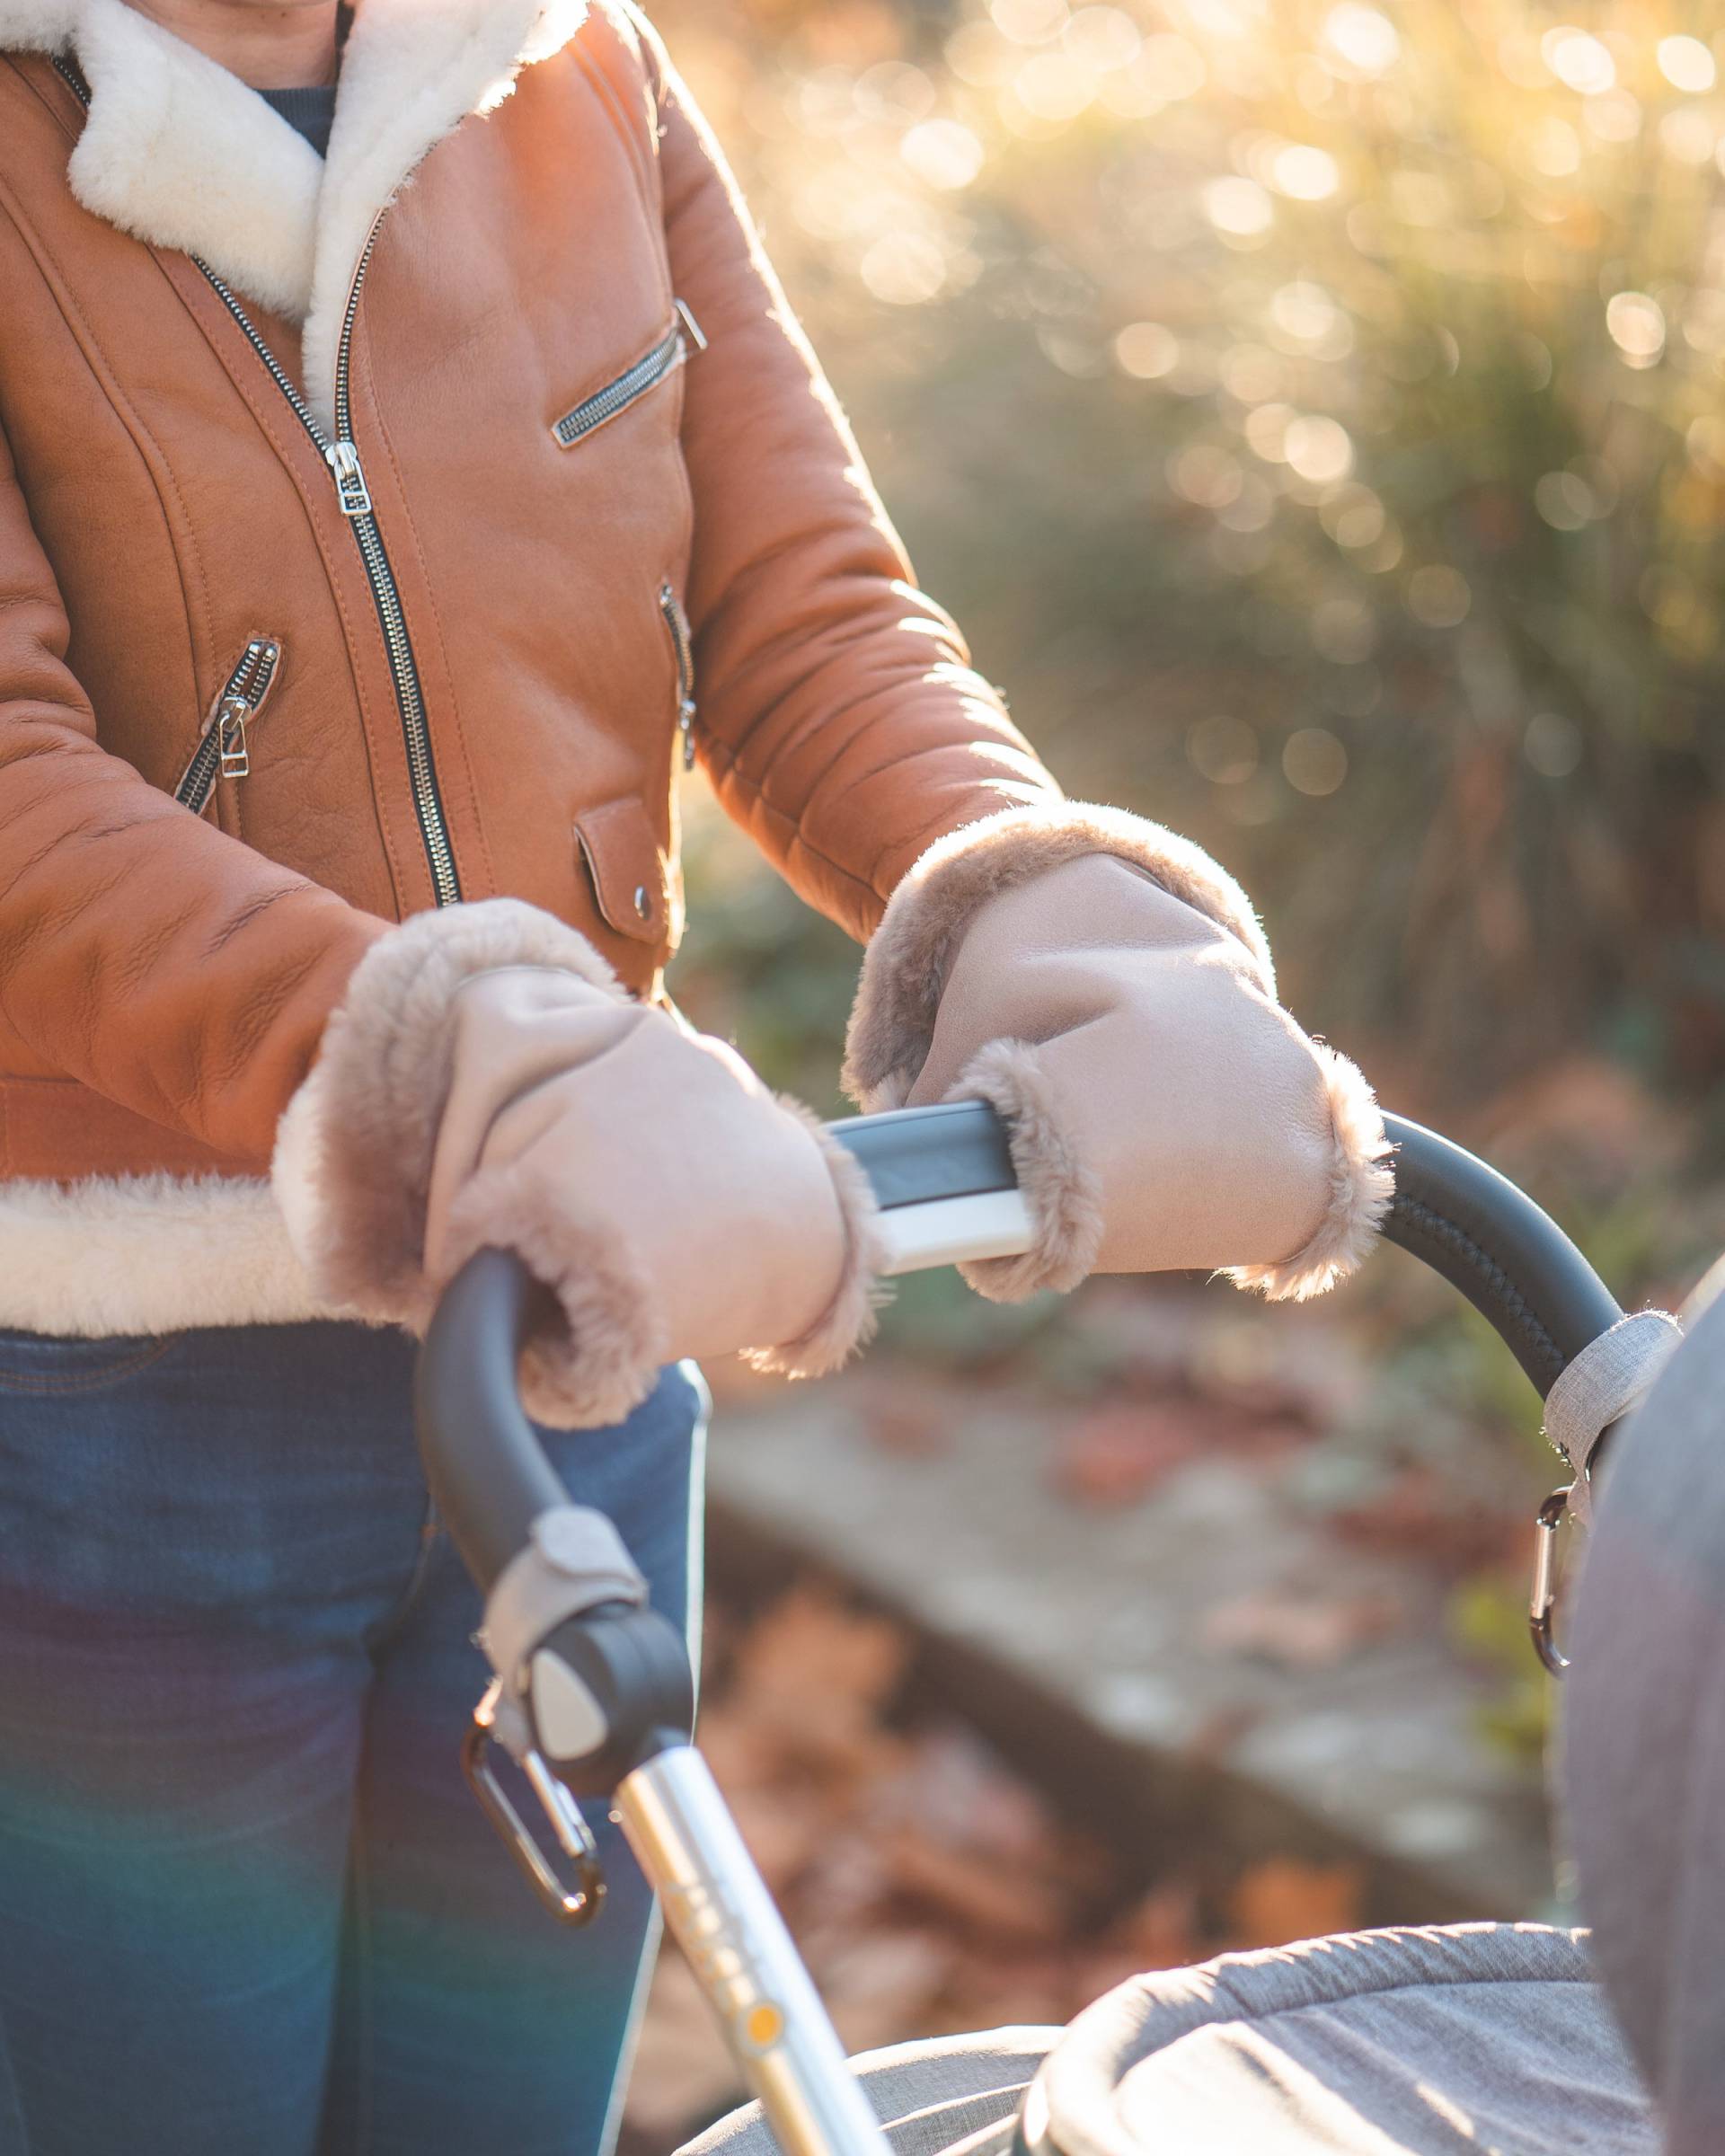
(840,719)
(143,951)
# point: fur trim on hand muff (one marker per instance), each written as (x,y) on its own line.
(905,967)
(352,1166)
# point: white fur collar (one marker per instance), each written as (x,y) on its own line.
(181,153)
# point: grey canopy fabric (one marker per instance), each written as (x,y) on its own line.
(947,2096)
(1470,2040)
(1642,1760)
(1449,2041)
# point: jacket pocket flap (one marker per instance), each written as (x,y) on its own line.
(632,876)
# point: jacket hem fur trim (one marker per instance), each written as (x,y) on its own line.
(113,1257)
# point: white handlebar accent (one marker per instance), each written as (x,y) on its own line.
(951,1230)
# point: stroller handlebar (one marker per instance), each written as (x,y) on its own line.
(582,1689)
(1508,1257)
(943,1180)
(487,1472)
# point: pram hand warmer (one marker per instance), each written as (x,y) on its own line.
(487,1083)
(1107,987)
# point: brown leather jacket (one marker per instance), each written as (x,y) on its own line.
(262,694)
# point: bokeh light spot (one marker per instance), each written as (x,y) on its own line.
(1554,148)
(942,153)
(1054,86)
(1146,350)
(1365,43)
(1613,117)
(906,269)
(1203,474)
(1102,38)
(1238,209)
(1029,22)
(1223,749)
(894,92)
(1313,761)
(1689,135)
(1250,374)
(1686,65)
(1318,448)
(1564,500)
(1636,324)
(1267,431)
(1439,597)
(1353,516)
(1552,745)
(1344,630)
(1579,60)
(1304,173)
(977,54)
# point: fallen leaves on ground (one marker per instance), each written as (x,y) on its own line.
(1302,1630)
(929,1887)
(1281,1900)
(1421,1512)
(1122,1450)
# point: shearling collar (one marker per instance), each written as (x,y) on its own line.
(182,153)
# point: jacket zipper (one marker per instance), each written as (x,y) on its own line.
(677,623)
(225,750)
(670,353)
(342,457)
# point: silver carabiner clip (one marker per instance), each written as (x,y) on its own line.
(1543,1601)
(573,1909)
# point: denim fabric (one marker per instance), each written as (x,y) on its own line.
(247,1904)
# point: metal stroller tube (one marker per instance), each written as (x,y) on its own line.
(594,1694)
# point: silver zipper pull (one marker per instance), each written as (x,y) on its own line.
(231,715)
(697,336)
(350,489)
(686,722)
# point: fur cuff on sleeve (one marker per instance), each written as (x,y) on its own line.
(905,967)
(353,1150)
(847,1324)
(1361,1190)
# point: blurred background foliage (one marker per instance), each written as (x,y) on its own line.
(1314,413)
(1315,416)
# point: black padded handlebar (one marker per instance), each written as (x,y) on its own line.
(487,1473)
(490,1480)
(1489,1239)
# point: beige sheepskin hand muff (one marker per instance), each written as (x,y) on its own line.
(487,1083)
(1108,988)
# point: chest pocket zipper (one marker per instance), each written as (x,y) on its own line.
(634,384)
(226,750)
(682,644)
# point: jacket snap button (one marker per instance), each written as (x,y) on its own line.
(643,903)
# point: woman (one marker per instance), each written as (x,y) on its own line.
(395,410)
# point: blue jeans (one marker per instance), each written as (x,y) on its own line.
(247,1905)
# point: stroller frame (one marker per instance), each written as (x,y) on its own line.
(594,1695)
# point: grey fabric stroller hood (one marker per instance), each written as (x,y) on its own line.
(1450,2041)
(1516,2039)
